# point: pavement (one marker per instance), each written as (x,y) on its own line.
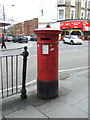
(13,46)
(71,102)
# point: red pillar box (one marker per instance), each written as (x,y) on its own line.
(47,62)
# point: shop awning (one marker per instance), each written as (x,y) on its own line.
(4,23)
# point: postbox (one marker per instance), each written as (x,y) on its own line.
(47,62)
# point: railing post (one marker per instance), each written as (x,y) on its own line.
(23,91)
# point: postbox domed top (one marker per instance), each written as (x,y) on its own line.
(47,30)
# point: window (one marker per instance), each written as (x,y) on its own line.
(72,14)
(61,14)
(88,4)
(82,14)
(88,15)
(61,1)
(73,2)
(83,3)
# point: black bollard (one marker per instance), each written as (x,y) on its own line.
(23,91)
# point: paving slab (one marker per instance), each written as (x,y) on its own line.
(51,105)
(76,99)
(77,85)
(29,112)
(72,101)
(15,103)
(66,111)
(82,105)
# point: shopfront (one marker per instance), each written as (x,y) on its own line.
(81,28)
(86,30)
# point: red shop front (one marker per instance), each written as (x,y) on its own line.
(81,28)
(86,30)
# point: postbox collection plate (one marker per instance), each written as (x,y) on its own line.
(45,49)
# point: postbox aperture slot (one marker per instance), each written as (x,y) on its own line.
(45,38)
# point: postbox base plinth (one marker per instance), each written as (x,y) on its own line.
(47,90)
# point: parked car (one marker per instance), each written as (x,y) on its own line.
(24,39)
(9,38)
(33,38)
(20,39)
(15,38)
(29,37)
(72,39)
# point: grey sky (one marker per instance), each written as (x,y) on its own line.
(29,9)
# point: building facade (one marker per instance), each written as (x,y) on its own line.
(48,13)
(18,29)
(26,28)
(74,17)
(62,10)
(73,9)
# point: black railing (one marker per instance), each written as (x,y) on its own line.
(13,74)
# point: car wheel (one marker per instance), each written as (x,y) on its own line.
(64,41)
(71,42)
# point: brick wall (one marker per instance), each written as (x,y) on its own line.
(33,24)
(18,29)
(26,28)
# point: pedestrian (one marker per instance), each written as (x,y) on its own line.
(3,41)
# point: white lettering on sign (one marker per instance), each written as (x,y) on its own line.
(45,49)
(67,23)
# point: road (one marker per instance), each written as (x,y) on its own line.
(70,57)
(73,56)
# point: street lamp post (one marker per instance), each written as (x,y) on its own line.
(4,17)
(3,13)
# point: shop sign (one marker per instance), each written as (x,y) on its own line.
(64,25)
(75,24)
(84,25)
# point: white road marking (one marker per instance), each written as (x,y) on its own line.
(72,69)
(33,81)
